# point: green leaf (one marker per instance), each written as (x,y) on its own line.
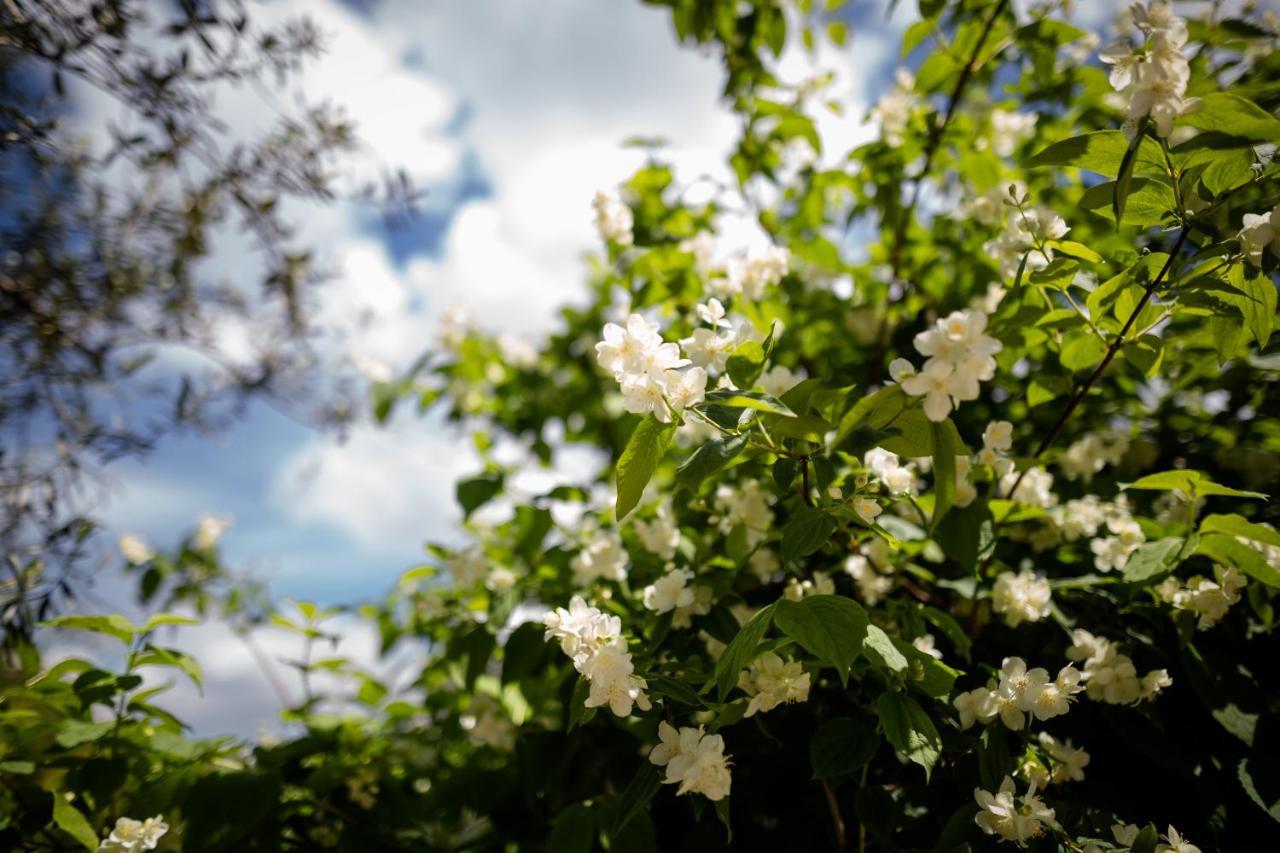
(745,363)
(636,796)
(1081,350)
(579,713)
(1153,559)
(641,457)
(1228,551)
(156,656)
(1222,112)
(247,795)
(881,650)
(112,625)
(748,400)
(1146,840)
(805,532)
(72,733)
(1072,249)
(1194,483)
(574,830)
(743,648)
(944,468)
(676,689)
(966,534)
(832,628)
(476,491)
(1255,297)
(71,821)
(1102,151)
(161,619)
(709,459)
(840,747)
(907,726)
(1237,525)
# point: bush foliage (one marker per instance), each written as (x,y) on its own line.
(936,521)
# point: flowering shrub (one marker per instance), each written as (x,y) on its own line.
(937,521)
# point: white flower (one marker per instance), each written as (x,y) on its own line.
(779,379)
(613,681)
(694,761)
(893,111)
(771,682)
(998,436)
(1091,453)
(487,724)
(1260,232)
(629,349)
(135,549)
(712,313)
(1176,843)
(1035,489)
(1112,552)
(977,706)
(1211,599)
(582,630)
(867,509)
(604,559)
(752,276)
(703,248)
(660,535)
(745,504)
(1154,81)
(899,479)
(613,219)
(960,356)
(872,586)
(1017,819)
(1023,597)
(708,348)
(209,530)
(1009,130)
(822,584)
(927,643)
(670,591)
(900,369)
(132,836)
(1153,682)
(764,564)
(1069,761)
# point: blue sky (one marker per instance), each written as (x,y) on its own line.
(511,114)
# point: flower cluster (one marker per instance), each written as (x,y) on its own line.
(770,681)
(893,111)
(1208,598)
(745,504)
(613,219)
(594,643)
(695,761)
(750,277)
(870,574)
(1109,676)
(1025,234)
(1089,455)
(1112,552)
(898,479)
(1024,597)
(959,355)
(1153,79)
(1066,763)
(648,369)
(603,559)
(675,592)
(661,534)
(1013,818)
(1034,487)
(1017,693)
(134,836)
(1011,129)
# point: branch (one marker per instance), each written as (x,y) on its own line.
(1119,341)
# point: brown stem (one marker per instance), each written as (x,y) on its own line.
(1084,389)
(837,822)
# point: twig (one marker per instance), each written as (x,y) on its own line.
(837,822)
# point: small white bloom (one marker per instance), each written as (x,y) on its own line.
(135,549)
(133,836)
